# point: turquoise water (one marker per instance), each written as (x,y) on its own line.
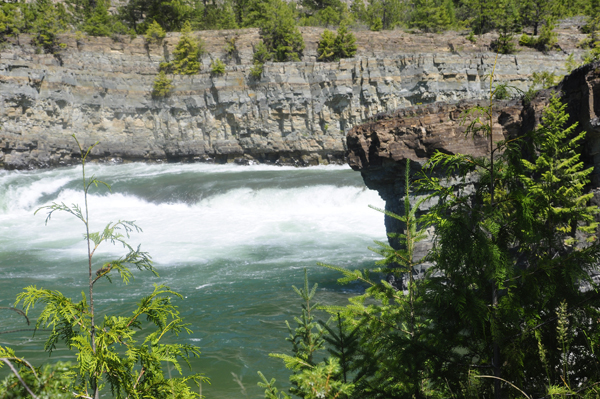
(231,239)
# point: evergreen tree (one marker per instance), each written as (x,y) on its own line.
(508,255)
(345,43)
(431,17)
(279,33)
(310,379)
(386,14)
(217,17)
(359,11)
(506,21)
(537,12)
(217,67)
(11,20)
(392,326)
(155,33)
(333,47)
(162,85)
(99,23)
(48,381)
(186,55)
(47,21)
(170,14)
(479,14)
(326,47)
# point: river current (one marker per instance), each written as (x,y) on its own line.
(231,239)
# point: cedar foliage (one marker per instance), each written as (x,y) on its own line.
(508,307)
(109,354)
(162,85)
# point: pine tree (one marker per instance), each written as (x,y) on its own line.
(279,33)
(155,33)
(47,21)
(99,23)
(326,48)
(535,13)
(505,18)
(217,17)
(334,47)
(430,16)
(386,14)
(170,14)
(187,53)
(345,43)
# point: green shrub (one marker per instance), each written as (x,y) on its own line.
(186,56)
(99,23)
(256,70)
(544,42)
(162,85)
(217,67)
(155,33)
(543,80)
(261,54)
(230,46)
(501,92)
(526,40)
(471,37)
(376,25)
(49,381)
(334,47)
(326,47)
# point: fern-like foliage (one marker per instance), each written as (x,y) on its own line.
(109,352)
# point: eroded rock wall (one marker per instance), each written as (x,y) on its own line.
(294,113)
(379,149)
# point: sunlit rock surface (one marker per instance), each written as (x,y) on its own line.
(295,113)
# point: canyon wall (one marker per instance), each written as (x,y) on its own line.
(294,113)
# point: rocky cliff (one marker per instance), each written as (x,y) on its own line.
(379,149)
(295,113)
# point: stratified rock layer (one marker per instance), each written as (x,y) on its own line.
(379,149)
(294,113)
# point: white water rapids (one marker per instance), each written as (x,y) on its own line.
(231,239)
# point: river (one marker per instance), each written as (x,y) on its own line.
(231,239)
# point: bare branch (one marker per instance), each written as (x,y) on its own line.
(14,370)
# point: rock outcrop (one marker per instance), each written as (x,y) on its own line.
(379,149)
(295,113)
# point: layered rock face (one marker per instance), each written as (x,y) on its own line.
(294,113)
(379,149)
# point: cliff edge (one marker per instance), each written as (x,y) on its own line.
(379,149)
(294,113)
